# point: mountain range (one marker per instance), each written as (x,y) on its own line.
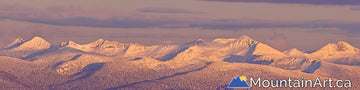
(200,64)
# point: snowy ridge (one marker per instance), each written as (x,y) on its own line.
(15,43)
(243,50)
(295,53)
(86,47)
(114,65)
(36,43)
(332,50)
(100,46)
(215,50)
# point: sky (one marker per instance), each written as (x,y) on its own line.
(283,24)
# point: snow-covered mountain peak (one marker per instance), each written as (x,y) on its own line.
(36,43)
(167,42)
(244,41)
(224,40)
(294,52)
(19,40)
(68,43)
(335,50)
(341,46)
(99,41)
(37,38)
(199,41)
(86,47)
(244,37)
(344,46)
(15,43)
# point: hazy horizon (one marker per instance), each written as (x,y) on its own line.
(281,24)
(146,43)
(119,44)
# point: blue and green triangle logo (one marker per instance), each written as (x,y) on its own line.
(238,82)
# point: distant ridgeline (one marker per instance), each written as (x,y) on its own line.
(104,64)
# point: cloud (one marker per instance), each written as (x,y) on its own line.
(166,10)
(236,24)
(278,41)
(81,16)
(21,11)
(355,8)
(312,2)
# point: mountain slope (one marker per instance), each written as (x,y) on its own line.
(15,43)
(36,43)
(295,53)
(243,49)
(86,47)
(100,46)
(341,49)
(20,48)
(195,65)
